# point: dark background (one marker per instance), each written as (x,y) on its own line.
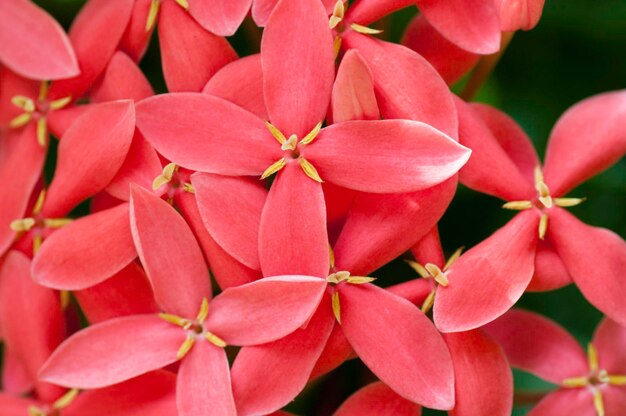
(577,50)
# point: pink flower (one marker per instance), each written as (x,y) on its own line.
(377,398)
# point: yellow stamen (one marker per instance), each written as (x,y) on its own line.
(66,399)
(310,170)
(187,187)
(152,14)
(56,222)
(419,269)
(21,120)
(337,16)
(337,45)
(35,411)
(568,202)
(290,144)
(22,224)
(60,103)
(204,311)
(598,402)
(331,257)
(40,200)
(338,277)
(37,241)
(359,280)
(592,356)
(428,302)
(173,319)
(518,205)
(617,380)
(24,103)
(274,167)
(437,274)
(364,29)
(64,295)
(43,90)
(184,349)
(542,188)
(42,132)
(543,226)
(275,132)
(165,176)
(312,134)
(453,258)
(183,3)
(215,340)
(574,382)
(336,307)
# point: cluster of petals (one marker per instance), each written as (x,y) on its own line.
(282,181)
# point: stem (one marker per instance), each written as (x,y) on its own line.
(523,398)
(485,68)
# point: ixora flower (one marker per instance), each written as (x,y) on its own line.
(376,398)
(191,329)
(591,384)
(543,239)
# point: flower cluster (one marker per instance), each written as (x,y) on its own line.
(224,262)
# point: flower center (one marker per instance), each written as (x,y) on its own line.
(174,181)
(340,278)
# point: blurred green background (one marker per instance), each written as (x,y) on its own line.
(577,50)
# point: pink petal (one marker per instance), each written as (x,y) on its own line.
(610,339)
(484,382)
(221,17)
(378,399)
(592,257)
(587,139)
(385,331)
(33,44)
(365,12)
(415,291)
(267,377)
(488,279)
(128,292)
(336,351)
(406,85)
(353,92)
(292,235)
(538,345)
(210,144)
(113,351)
(363,245)
(566,402)
(190,55)
(152,394)
(14,406)
(519,14)
(90,154)
(15,377)
(428,249)
(474,26)
(241,83)
(95,34)
(298,66)
(59,121)
(261,9)
(614,400)
(203,386)
(265,310)
(490,169)
(135,40)
(450,61)
(87,251)
(122,79)
(385,156)
(12,84)
(167,248)
(231,211)
(550,272)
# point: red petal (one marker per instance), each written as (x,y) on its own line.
(378,399)
(122,80)
(428,249)
(592,256)
(566,402)
(59,121)
(298,66)
(231,211)
(474,26)
(487,280)
(365,12)
(136,40)
(538,345)
(353,92)
(86,252)
(90,154)
(33,44)
(587,139)
(261,9)
(265,310)
(14,406)
(610,340)
(385,331)
(267,377)
(204,382)
(221,17)
(385,156)
(516,14)
(550,272)
(336,351)
(614,400)
(241,82)
(484,382)
(216,134)
(293,237)
(113,351)
(167,248)
(190,55)
(15,377)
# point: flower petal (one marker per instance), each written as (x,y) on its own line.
(587,139)
(385,156)
(221,17)
(87,251)
(538,345)
(565,402)
(610,339)
(113,351)
(265,310)
(261,9)
(592,257)
(365,12)
(12,405)
(516,14)
(488,279)
(190,55)
(376,398)
(15,377)
(298,66)
(353,95)
(136,39)
(550,272)
(167,248)
(90,154)
(218,135)
(33,44)
(384,330)
(122,79)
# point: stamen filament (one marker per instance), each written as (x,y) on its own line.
(185,347)
(364,29)
(428,302)
(215,340)
(310,170)
(312,134)
(543,226)
(568,202)
(518,205)
(21,120)
(419,269)
(173,319)
(42,131)
(274,167)
(336,306)
(204,311)
(60,103)
(275,132)
(66,399)
(152,14)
